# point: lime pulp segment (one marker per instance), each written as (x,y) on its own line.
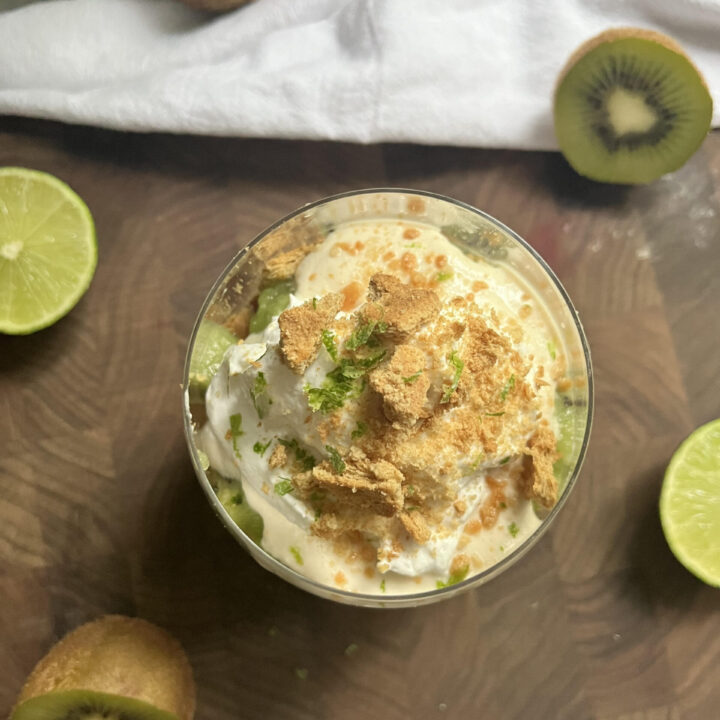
(48,251)
(690,503)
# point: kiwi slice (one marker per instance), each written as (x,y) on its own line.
(630,106)
(211,342)
(271,302)
(116,668)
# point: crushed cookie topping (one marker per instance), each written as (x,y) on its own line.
(278,458)
(416,525)
(370,485)
(301,330)
(430,388)
(283,266)
(538,480)
(403,308)
(403,385)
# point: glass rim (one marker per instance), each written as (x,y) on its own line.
(370,599)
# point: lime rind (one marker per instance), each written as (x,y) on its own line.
(690,503)
(43,274)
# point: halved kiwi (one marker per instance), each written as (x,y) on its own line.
(216,5)
(630,106)
(116,668)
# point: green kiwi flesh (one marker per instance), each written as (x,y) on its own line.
(629,109)
(87,705)
(211,342)
(232,497)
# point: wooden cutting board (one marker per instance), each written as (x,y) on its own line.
(100,511)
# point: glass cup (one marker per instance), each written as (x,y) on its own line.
(476,234)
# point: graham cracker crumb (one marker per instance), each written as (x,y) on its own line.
(537,479)
(459,563)
(283,266)
(490,509)
(301,330)
(278,458)
(368,485)
(239,323)
(403,385)
(416,525)
(404,308)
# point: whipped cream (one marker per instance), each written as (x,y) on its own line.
(254,400)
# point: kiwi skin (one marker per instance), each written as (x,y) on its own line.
(640,172)
(120,657)
(216,5)
(621,33)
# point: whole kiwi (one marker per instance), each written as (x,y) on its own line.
(116,667)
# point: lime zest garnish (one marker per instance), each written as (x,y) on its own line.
(236,431)
(505,460)
(382,585)
(458,364)
(497,414)
(258,389)
(362,334)
(260,449)
(359,431)
(328,340)
(454,578)
(341,383)
(513,529)
(509,385)
(552,349)
(443,276)
(304,458)
(296,554)
(412,378)
(284,487)
(338,465)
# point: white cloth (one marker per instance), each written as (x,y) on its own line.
(458,72)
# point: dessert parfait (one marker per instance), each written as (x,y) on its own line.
(386,412)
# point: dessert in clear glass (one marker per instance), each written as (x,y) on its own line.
(388,397)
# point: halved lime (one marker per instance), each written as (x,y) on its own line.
(48,250)
(690,503)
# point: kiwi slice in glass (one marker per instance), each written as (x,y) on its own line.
(211,343)
(116,668)
(630,106)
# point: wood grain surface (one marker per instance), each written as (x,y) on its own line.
(100,511)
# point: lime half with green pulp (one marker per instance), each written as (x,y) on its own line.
(690,503)
(48,251)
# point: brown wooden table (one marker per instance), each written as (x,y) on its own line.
(100,511)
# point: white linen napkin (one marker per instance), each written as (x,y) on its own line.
(458,72)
